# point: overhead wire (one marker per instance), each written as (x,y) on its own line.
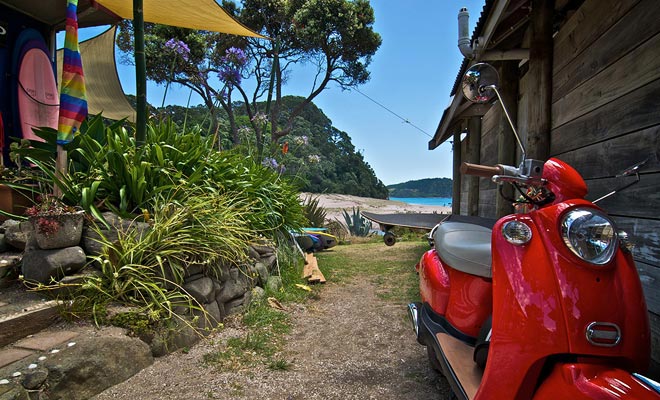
(405,120)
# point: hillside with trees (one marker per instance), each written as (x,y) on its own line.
(317,156)
(431,187)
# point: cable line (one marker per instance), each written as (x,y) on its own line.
(395,114)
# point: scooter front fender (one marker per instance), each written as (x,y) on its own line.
(592,381)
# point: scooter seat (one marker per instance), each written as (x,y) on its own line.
(464,244)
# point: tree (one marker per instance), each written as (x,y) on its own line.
(182,56)
(334,35)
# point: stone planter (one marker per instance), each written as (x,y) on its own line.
(58,231)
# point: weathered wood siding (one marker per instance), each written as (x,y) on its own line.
(488,189)
(606,117)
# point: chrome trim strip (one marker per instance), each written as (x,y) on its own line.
(413,316)
(595,336)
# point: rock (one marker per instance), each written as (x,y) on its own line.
(263,250)
(211,319)
(93,242)
(68,285)
(201,290)
(274,284)
(253,254)
(270,262)
(94,364)
(35,378)
(42,265)
(238,305)
(234,287)
(17,235)
(258,293)
(182,335)
(9,266)
(7,224)
(58,231)
(4,246)
(262,273)
(13,391)
(194,269)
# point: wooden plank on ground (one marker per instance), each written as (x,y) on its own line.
(313,274)
(310,260)
(30,321)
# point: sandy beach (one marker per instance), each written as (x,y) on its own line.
(334,204)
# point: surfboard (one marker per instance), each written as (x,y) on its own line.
(37,99)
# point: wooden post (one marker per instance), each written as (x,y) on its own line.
(473,156)
(456,187)
(540,78)
(60,169)
(140,73)
(506,140)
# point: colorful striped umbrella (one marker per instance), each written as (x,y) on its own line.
(73,98)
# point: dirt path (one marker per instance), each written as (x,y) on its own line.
(348,344)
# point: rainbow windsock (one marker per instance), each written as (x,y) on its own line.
(73,97)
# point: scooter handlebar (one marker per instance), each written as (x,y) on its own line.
(480,170)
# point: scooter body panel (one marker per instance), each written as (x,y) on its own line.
(607,298)
(592,381)
(464,300)
(544,301)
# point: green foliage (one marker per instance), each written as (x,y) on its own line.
(431,187)
(109,171)
(314,213)
(356,223)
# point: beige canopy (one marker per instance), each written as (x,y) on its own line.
(204,15)
(104,92)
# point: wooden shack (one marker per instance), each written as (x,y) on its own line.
(582,81)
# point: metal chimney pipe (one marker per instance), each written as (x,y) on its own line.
(464,43)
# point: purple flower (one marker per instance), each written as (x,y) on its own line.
(270,162)
(179,47)
(236,56)
(230,75)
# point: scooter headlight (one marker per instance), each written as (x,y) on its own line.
(590,235)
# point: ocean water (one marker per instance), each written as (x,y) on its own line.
(425,201)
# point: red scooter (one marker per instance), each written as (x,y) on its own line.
(545,303)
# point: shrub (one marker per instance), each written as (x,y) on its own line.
(356,223)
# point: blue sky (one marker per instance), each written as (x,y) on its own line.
(411,74)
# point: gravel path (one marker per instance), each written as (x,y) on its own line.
(348,344)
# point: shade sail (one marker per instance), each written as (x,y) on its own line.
(104,92)
(204,15)
(53,12)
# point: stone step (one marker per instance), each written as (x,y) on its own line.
(24,313)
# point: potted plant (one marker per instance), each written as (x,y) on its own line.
(56,225)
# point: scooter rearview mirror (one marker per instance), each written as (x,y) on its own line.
(479,83)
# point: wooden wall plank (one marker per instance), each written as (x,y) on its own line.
(636,69)
(637,26)
(641,200)
(611,157)
(645,233)
(634,111)
(650,278)
(487,203)
(654,319)
(590,21)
